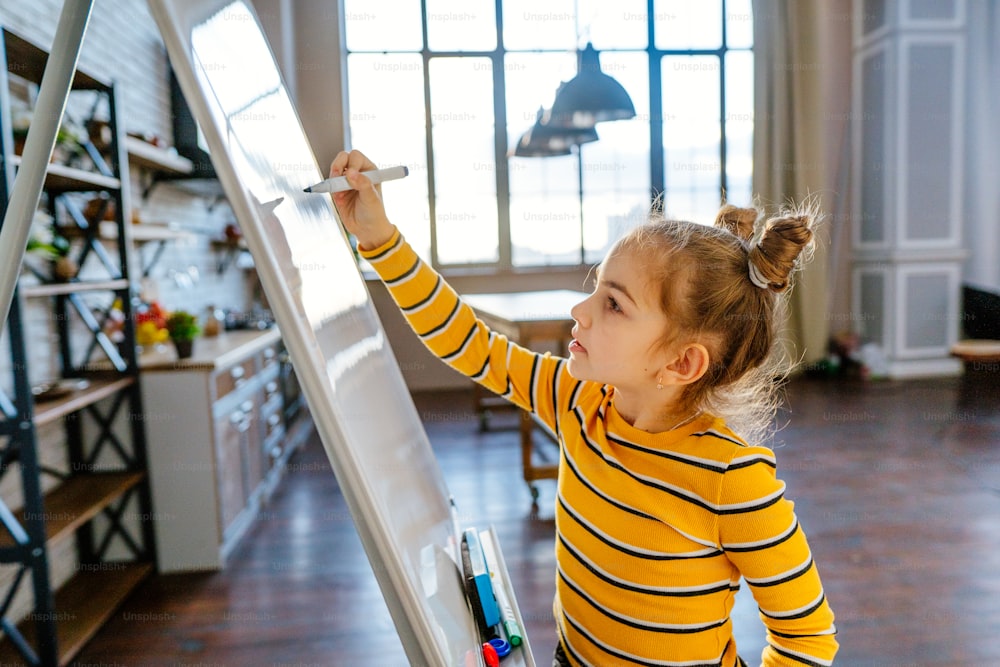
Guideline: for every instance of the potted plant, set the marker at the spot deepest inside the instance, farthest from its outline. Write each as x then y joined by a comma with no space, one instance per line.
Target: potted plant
46,242
182,327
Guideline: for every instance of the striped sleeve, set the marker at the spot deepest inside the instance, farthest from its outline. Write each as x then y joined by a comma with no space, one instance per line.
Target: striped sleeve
761,536
451,330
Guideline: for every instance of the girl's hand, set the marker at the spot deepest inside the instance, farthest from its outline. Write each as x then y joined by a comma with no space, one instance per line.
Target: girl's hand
361,209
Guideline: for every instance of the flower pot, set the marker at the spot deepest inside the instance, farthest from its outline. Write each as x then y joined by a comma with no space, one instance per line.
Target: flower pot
184,348
64,269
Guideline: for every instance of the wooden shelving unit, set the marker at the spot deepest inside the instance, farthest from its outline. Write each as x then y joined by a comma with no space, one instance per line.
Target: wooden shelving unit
102,421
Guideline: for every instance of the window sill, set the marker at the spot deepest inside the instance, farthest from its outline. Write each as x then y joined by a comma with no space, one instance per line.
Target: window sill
481,271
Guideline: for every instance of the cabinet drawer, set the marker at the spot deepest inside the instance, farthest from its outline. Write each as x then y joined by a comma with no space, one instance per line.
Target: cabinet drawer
268,356
270,425
272,390
234,378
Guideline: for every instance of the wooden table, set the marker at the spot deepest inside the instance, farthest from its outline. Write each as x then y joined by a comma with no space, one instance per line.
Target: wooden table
526,318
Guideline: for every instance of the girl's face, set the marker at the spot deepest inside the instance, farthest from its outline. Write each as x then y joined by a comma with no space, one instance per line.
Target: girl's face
618,328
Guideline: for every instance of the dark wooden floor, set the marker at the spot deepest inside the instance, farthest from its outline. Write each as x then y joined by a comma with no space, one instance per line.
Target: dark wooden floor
896,483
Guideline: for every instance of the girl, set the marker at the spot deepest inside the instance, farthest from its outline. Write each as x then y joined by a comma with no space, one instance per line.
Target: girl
661,507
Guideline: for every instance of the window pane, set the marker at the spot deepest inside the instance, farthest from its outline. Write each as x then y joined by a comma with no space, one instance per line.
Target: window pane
616,167
382,25
461,25
386,94
545,229
532,80
545,201
691,114
544,205
683,24
529,24
739,24
739,127
614,25
462,130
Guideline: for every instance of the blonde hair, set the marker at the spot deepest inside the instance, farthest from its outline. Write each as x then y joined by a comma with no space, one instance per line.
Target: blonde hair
723,286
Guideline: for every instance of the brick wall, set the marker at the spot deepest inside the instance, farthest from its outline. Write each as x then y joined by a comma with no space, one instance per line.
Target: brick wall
123,44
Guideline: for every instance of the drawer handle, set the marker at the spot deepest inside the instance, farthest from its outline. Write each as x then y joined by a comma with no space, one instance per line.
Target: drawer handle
274,420
246,406
237,372
271,388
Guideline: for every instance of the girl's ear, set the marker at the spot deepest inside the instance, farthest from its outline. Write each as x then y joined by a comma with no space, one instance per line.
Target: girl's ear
689,365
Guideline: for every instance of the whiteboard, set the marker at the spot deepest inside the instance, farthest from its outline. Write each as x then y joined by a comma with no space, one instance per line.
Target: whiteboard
363,412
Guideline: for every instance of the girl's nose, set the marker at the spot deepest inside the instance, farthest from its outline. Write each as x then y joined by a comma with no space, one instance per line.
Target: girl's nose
579,313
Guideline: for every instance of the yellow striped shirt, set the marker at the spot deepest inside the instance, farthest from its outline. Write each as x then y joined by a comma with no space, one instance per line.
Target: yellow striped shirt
653,531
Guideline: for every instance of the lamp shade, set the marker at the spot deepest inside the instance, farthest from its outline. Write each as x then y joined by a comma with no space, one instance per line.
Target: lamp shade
591,96
545,140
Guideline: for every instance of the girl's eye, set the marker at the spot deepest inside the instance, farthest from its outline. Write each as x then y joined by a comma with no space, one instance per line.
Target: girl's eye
613,305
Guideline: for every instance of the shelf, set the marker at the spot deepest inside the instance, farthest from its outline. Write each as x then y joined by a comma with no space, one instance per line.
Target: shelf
47,412
60,178
82,606
220,245
27,61
232,251
76,501
146,232
57,289
209,188
144,154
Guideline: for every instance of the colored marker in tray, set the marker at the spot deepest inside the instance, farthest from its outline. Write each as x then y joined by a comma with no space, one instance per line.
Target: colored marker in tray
478,587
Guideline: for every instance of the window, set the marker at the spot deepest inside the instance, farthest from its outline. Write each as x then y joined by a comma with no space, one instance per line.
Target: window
448,88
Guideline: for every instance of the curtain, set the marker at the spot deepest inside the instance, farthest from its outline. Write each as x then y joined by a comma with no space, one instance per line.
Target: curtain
982,163
802,102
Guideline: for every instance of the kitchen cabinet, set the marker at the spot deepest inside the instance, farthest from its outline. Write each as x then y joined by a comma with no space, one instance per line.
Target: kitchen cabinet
219,441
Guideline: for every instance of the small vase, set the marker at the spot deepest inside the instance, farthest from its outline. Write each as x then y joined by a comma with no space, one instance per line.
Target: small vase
184,348
64,269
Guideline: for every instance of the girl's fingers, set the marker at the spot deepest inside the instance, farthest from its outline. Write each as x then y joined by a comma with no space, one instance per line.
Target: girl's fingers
339,163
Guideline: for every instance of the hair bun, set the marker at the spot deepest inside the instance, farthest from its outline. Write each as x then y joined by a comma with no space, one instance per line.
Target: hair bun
739,221
777,254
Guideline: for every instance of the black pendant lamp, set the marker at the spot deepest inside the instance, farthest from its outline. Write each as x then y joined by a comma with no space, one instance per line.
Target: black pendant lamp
591,96
546,140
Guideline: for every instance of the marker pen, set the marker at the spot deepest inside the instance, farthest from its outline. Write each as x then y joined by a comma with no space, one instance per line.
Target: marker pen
508,620
340,184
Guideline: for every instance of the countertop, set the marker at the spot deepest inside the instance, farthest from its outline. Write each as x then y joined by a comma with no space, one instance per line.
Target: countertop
210,354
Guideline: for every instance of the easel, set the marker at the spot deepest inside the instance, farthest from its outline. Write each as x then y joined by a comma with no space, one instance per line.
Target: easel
14,231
